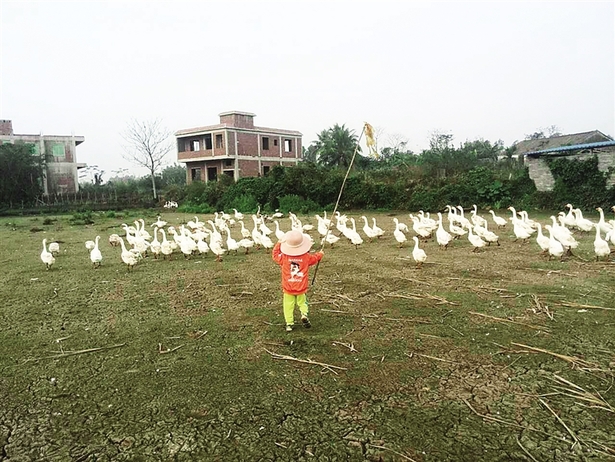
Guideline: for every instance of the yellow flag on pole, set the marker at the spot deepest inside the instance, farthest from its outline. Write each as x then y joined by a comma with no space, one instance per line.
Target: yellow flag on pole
370,141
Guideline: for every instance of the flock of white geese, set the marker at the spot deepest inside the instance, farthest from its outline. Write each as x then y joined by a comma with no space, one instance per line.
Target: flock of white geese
216,235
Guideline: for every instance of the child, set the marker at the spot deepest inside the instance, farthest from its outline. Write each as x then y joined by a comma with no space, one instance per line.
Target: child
292,254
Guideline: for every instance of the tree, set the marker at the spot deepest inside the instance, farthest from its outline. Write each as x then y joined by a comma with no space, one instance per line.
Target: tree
21,173
174,175
336,146
310,154
551,130
148,144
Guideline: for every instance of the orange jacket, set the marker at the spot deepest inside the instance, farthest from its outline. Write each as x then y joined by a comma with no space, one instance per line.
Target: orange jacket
295,269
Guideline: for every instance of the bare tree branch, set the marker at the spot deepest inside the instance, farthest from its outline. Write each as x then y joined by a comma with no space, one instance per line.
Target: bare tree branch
148,143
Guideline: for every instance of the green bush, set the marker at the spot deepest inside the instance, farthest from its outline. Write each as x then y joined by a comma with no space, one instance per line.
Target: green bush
82,218
296,204
196,208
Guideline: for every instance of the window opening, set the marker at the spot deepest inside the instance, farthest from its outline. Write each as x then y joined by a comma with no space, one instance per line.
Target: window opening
265,143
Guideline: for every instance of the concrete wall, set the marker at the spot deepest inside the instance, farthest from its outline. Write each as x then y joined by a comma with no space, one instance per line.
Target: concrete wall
543,178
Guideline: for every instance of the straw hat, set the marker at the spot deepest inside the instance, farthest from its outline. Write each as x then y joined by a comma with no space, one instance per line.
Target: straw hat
295,243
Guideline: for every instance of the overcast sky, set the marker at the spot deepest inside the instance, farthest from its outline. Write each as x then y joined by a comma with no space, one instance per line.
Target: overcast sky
475,70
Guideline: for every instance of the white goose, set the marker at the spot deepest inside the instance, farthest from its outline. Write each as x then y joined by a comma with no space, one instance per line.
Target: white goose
165,246
278,232
418,254
564,236
583,223
202,246
264,229
475,240
556,249
89,245
246,243
379,231
521,232
490,236
419,228
455,230
114,240
604,226
402,226
128,257
369,232
476,218
330,239
238,215
499,221
95,254
216,247
542,240
155,245
46,256
266,241
601,247
54,248
443,237
569,218
399,235
521,228
159,223
245,232
231,244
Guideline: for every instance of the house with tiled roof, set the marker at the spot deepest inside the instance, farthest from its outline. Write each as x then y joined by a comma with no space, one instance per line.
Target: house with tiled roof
536,152
236,147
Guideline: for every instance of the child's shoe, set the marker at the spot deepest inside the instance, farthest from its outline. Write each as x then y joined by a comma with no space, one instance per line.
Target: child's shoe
289,328
306,322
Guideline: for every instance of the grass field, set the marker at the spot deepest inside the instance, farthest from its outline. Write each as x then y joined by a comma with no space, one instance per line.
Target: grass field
498,355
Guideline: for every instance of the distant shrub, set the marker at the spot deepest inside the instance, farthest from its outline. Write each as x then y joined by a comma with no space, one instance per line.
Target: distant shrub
195,208
82,218
296,204
111,214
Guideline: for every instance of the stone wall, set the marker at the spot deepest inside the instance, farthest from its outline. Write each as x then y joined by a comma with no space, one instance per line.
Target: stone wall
543,178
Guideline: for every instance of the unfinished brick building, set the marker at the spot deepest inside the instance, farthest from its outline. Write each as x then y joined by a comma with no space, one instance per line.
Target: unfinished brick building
235,147
60,152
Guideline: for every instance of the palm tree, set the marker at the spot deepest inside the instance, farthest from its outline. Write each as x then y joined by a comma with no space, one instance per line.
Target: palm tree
336,146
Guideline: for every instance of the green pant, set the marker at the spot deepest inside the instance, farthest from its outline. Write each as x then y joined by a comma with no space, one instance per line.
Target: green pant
289,307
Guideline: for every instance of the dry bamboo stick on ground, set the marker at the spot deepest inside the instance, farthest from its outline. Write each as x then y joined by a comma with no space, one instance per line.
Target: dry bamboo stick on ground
433,357
350,346
489,418
405,457
77,352
525,450
579,393
578,305
416,281
571,359
543,328
574,437
306,361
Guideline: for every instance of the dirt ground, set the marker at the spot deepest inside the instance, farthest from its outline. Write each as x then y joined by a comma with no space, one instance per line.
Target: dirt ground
493,355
